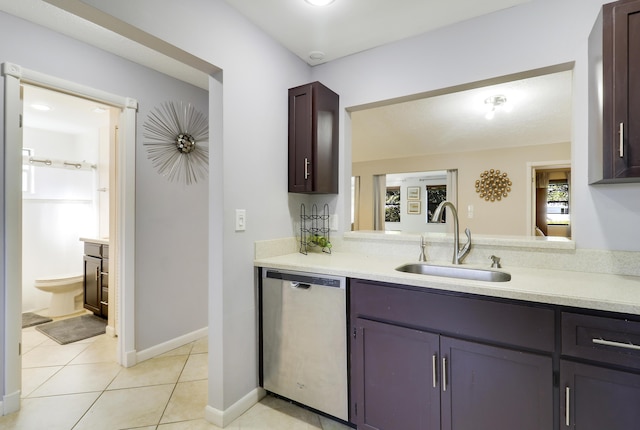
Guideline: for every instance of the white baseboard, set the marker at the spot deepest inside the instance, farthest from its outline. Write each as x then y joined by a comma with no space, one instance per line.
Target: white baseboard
10,403
110,331
224,418
174,343
130,359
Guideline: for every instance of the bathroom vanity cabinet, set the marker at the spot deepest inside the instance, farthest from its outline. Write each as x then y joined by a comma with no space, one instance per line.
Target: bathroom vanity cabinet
614,51
423,361
313,139
96,278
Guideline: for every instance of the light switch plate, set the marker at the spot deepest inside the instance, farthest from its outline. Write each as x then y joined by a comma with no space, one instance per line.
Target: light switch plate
241,219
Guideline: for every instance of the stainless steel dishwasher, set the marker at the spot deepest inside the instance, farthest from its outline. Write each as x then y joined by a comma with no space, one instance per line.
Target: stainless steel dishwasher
304,339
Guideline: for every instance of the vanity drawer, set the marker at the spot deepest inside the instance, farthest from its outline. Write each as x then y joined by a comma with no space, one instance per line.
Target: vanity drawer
93,249
603,339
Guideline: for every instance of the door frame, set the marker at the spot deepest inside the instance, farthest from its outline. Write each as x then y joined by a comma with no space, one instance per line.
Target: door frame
532,168
124,211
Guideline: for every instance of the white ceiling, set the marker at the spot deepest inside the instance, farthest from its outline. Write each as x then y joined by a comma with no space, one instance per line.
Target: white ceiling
349,26
68,114
538,112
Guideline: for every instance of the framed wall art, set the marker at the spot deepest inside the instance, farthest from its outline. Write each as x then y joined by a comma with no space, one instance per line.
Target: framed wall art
413,208
413,193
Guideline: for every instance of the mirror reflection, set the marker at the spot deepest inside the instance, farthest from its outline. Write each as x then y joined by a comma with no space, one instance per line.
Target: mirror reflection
520,125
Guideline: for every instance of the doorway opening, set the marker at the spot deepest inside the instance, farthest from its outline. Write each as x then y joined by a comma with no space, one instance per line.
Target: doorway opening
68,145
551,200
121,219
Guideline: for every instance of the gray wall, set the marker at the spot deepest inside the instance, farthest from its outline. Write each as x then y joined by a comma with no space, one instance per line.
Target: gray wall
171,219
537,34
252,155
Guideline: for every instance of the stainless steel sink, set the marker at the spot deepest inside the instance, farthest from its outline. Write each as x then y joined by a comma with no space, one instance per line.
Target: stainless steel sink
455,272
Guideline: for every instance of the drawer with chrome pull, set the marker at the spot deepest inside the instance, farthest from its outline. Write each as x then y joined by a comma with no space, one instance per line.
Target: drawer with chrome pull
607,340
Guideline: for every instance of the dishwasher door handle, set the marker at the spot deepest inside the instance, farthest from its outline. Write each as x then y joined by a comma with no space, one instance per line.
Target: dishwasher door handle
300,285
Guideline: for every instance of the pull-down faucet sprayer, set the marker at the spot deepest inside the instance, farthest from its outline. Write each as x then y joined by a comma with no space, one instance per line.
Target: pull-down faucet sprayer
458,253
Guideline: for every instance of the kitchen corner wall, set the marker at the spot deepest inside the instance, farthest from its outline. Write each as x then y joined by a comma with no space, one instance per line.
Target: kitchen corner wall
171,219
249,145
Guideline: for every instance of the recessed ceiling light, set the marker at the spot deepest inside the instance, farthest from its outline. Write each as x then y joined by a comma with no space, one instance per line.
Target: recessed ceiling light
39,106
99,109
316,55
319,2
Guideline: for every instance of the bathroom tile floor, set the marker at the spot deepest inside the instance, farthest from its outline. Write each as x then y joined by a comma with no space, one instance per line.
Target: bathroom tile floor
80,386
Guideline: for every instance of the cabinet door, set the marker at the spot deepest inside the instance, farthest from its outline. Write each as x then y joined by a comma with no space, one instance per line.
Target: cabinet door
597,398
622,79
300,138
92,269
394,384
491,388
313,139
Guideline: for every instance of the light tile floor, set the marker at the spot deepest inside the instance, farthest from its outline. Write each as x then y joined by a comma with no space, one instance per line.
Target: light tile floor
79,386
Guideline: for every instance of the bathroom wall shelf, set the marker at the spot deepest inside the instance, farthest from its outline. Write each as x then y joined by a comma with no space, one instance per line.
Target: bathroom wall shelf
314,229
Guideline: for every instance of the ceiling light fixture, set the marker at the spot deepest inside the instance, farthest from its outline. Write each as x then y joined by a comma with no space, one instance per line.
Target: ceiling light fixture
494,102
319,2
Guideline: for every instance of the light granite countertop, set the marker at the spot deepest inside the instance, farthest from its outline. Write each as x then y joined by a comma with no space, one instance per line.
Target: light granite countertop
607,292
95,240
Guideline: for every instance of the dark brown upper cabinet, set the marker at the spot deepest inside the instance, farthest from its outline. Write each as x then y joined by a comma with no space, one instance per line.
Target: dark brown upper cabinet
614,94
313,139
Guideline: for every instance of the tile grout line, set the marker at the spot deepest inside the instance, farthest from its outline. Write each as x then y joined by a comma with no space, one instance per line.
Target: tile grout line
175,385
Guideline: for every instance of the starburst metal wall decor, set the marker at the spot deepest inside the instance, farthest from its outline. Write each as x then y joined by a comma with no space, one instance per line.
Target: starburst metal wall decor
174,136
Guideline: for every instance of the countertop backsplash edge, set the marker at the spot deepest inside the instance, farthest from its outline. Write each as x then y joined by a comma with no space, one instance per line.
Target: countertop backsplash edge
554,258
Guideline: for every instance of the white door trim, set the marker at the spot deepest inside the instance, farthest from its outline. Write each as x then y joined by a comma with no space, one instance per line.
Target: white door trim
124,238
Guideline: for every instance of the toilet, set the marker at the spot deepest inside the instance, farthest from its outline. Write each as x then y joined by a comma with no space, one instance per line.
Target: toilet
64,290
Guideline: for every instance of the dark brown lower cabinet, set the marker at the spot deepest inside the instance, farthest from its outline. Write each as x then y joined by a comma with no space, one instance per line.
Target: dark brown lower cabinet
395,384
92,284
424,360
96,278
490,388
598,398
416,380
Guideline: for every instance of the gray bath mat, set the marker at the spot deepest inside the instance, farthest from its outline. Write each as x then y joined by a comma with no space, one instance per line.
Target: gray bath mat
29,319
74,329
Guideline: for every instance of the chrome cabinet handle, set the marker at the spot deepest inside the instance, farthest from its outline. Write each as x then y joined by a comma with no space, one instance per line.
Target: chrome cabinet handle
444,373
434,367
616,344
97,274
306,168
621,133
567,402
104,303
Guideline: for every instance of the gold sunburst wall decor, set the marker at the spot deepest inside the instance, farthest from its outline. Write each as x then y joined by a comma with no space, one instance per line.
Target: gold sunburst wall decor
493,185
176,134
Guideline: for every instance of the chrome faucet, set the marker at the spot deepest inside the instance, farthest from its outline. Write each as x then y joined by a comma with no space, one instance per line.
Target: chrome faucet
423,256
458,253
